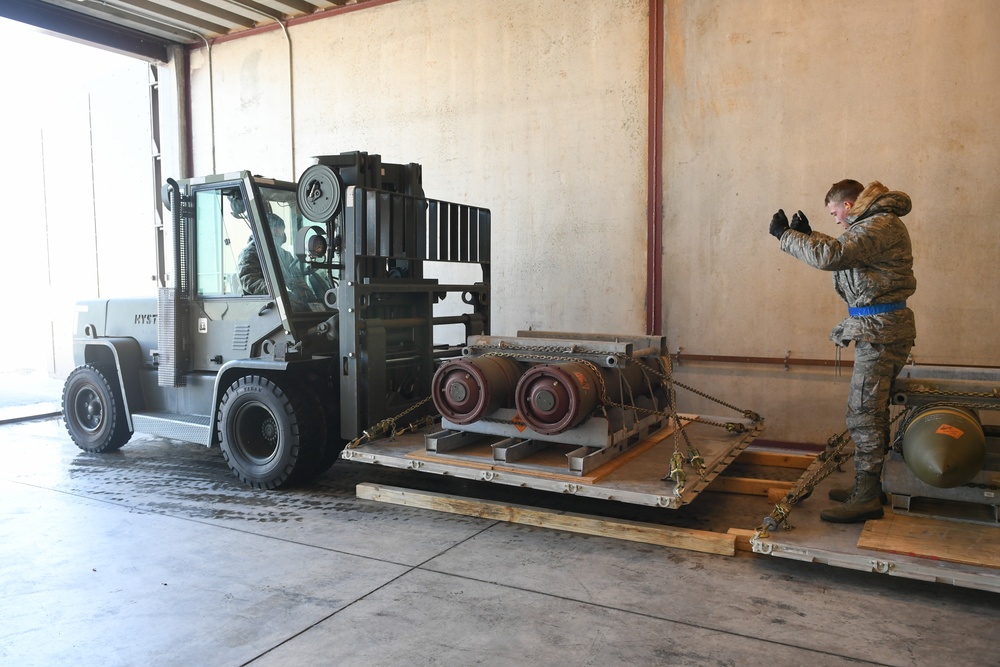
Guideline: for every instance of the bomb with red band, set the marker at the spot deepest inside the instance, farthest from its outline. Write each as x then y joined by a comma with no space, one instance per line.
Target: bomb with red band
466,390
552,398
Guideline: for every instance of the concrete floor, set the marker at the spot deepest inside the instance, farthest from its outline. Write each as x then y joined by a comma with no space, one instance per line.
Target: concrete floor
156,555
27,392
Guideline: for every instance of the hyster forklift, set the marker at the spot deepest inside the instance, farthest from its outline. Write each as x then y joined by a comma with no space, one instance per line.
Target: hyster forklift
280,348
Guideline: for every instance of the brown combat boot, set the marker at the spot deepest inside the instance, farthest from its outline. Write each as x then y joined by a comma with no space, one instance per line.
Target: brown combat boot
841,494
862,505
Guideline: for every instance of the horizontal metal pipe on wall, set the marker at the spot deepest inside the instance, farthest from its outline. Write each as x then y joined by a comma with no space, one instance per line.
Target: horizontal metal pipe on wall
721,358
789,361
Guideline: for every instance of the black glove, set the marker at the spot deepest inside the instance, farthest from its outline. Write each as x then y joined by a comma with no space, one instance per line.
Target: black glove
800,223
779,224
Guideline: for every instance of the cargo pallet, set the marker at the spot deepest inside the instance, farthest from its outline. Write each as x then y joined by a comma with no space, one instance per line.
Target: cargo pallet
927,548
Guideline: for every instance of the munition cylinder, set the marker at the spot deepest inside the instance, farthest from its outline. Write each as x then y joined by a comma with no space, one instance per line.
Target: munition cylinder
466,390
944,445
553,398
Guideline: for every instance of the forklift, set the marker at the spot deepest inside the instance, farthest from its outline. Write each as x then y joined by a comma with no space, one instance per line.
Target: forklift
292,317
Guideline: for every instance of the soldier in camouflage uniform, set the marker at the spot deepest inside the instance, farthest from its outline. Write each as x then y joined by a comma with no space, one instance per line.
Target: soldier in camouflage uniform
251,273
873,272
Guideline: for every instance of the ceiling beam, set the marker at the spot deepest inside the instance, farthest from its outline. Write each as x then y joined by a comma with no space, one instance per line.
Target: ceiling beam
256,7
216,12
125,17
300,6
87,29
141,7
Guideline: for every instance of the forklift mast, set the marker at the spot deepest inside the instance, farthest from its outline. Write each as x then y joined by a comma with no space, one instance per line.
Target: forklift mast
390,239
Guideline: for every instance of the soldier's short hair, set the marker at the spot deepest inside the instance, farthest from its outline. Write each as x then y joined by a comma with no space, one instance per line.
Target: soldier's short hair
845,190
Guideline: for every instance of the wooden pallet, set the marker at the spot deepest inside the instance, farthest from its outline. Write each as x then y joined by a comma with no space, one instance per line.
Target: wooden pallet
725,544
955,542
775,490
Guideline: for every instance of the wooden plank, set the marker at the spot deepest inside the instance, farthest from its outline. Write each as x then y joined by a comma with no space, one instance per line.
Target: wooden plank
774,459
952,541
776,495
742,538
749,486
633,531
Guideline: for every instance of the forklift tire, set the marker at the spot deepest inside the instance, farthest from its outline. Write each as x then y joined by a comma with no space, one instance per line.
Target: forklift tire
264,433
328,406
94,410
319,429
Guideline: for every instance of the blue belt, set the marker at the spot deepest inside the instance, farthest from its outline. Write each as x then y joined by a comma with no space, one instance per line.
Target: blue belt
876,309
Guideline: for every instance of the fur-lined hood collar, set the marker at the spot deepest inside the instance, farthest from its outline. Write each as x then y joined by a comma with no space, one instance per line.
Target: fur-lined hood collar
875,199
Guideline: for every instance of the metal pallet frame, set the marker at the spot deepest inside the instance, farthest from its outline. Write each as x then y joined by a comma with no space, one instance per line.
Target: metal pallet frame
639,481
814,541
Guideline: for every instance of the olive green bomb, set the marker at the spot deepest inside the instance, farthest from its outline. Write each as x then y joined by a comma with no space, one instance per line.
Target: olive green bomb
944,446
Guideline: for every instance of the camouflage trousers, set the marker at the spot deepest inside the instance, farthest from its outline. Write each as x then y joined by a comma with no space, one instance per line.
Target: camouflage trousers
875,368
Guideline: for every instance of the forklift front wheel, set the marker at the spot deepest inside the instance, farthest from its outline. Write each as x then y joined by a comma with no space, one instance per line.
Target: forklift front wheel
260,427
94,410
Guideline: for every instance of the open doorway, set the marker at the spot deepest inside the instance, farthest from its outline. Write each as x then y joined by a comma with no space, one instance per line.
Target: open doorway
77,184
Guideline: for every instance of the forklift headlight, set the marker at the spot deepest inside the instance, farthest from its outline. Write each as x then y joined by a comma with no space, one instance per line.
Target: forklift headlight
310,243
316,246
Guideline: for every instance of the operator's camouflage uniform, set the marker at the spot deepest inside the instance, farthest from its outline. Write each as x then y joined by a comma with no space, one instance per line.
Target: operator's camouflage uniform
249,270
873,264
251,274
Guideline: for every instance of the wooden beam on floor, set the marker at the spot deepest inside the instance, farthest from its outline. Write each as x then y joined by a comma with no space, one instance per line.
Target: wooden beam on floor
750,486
776,495
620,529
774,459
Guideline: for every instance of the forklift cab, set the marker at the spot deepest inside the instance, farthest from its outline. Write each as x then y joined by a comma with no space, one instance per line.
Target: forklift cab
229,259
251,293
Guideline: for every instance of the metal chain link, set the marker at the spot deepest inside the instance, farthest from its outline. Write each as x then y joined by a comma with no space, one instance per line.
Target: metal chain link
995,393
668,377
676,471
388,425
833,456
602,393
567,352
985,487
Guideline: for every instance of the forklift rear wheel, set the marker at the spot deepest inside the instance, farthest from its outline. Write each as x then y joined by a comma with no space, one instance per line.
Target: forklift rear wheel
263,432
94,410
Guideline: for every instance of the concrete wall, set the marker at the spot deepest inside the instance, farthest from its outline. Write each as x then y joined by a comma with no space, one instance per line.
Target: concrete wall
767,104
538,110
534,110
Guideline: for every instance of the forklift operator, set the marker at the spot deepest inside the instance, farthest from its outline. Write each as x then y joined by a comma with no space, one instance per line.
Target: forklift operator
248,264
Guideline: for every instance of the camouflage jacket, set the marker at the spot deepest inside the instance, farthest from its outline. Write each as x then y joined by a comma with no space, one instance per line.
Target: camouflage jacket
251,273
249,270
872,263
